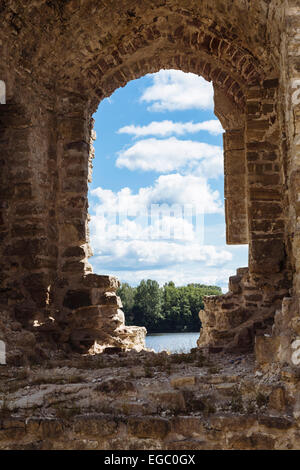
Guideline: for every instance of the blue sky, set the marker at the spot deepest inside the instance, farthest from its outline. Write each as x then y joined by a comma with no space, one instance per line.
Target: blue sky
156,199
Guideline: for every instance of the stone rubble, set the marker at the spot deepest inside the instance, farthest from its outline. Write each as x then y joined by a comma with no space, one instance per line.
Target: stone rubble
149,401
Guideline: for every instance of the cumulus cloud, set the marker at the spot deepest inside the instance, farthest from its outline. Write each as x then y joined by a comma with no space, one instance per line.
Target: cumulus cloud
169,189
146,226
180,274
175,90
129,243
144,254
172,154
166,128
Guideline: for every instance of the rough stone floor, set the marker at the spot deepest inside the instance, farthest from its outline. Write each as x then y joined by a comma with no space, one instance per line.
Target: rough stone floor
130,400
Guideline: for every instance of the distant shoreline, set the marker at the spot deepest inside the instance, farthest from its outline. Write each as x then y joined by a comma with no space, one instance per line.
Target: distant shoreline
171,332
166,309
153,333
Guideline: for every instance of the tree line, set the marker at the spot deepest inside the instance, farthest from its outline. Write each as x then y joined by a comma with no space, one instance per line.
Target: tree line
164,309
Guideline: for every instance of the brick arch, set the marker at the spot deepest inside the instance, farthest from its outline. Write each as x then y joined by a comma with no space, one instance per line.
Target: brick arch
202,46
115,79
205,52
229,35
70,38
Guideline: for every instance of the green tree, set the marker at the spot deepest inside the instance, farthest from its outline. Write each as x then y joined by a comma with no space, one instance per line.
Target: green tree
127,294
170,307
166,309
147,305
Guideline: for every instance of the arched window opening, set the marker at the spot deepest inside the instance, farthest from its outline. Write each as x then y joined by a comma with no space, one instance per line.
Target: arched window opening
157,203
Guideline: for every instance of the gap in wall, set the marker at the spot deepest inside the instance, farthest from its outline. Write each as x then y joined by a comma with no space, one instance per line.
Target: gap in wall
157,195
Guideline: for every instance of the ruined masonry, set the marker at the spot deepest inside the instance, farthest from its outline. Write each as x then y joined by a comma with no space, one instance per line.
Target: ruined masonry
58,60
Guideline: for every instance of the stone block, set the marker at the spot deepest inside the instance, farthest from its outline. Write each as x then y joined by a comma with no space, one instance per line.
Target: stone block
257,441
102,282
266,349
77,298
110,299
276,422
169,400
187,425
267,256
183,382
95,425
148,427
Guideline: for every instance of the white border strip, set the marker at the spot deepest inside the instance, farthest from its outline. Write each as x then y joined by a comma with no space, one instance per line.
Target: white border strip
2,92
2,353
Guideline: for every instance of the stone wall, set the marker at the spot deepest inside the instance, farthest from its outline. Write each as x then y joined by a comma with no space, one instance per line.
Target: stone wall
255,196
98,432
280,346
147,401
232,321
68,58
236,210
58,60
44,236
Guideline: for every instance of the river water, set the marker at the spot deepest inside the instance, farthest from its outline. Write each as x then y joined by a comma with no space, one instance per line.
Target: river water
172,342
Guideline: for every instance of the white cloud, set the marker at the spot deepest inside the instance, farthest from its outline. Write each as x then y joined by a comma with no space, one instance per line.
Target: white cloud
126,246
181,274
142,227
169,189
131,245
143,254
175,90
172,154
166,128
